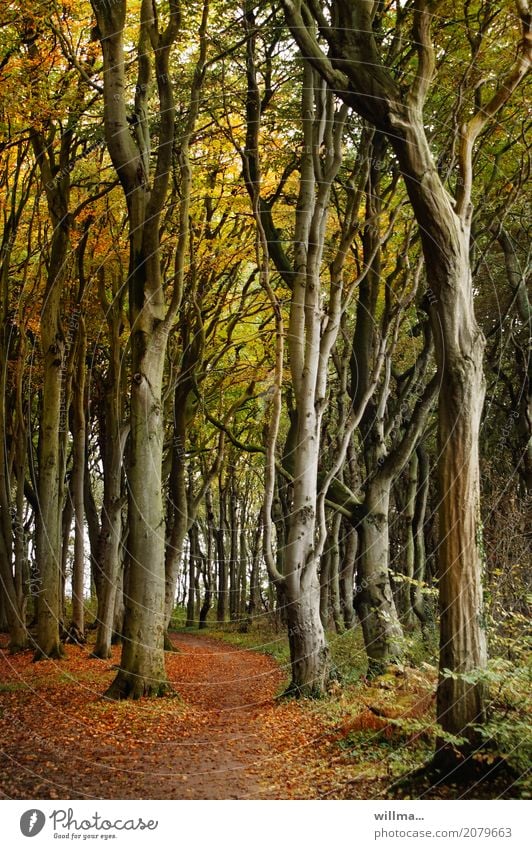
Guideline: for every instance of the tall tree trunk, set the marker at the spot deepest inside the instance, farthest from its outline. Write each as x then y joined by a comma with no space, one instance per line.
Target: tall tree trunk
347,577
234,562
335,574
207,585
142,666
55,175
77,625
444,227
66,528
405,493
193,567
417,598
53,418
254,579
13,611
221,606
325,578
142,670
114,438
375,606
179,518
309,653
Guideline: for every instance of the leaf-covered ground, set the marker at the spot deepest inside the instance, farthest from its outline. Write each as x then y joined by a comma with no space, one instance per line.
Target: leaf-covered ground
225,736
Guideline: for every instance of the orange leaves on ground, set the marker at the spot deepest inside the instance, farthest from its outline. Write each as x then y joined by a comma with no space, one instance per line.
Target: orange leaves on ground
225,735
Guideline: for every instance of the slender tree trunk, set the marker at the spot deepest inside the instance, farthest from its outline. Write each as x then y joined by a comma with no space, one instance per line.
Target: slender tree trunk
12,610
243,568
207,579
462,636
77,626
375,606
325,577
234,564
335,574
417,598
193,565
66,529
53,418
405,498
4,623
254,579
121,586
179,501
220,556
110,536
93,527
347,577
142,670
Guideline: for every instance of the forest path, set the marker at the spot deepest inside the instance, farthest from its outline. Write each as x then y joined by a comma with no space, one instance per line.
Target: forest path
224,737
232,692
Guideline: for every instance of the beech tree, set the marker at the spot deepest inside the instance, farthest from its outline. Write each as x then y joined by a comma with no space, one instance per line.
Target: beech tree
151,319
355,68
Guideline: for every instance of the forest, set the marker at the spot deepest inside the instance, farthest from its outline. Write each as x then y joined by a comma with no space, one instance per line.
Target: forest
265,399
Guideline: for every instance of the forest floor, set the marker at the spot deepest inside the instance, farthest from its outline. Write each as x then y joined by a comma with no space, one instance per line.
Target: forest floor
225,735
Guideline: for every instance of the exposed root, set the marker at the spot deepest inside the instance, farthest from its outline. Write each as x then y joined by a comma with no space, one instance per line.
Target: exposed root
55,652
128,686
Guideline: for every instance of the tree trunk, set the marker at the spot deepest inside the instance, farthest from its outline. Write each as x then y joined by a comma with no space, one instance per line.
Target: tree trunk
242,569
142,670
405,498
54,412
254,579
460,567
220,557
66,528
234,560
444,227
309,653
12,609
325,572
375,606
110,536
53,418
193,567
335,574
77,625
347,577
178,500
417,598
142,665
207,578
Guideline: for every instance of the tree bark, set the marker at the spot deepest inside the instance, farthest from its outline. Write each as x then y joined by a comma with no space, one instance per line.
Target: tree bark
142,669
383,636
221,606
444,226
53,418
347,577
309,653
77,625
114,436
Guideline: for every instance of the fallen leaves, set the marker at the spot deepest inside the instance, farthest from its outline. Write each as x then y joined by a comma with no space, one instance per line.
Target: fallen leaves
225,737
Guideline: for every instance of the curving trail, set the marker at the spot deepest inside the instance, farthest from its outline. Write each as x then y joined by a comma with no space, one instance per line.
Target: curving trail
224,737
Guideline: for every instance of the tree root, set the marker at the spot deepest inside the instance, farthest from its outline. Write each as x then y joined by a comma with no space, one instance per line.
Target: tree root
129,686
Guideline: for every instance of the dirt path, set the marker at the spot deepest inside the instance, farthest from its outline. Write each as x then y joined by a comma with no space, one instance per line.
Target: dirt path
231,692
224,738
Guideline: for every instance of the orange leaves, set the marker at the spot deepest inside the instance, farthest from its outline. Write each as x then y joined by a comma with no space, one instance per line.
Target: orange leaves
224,736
